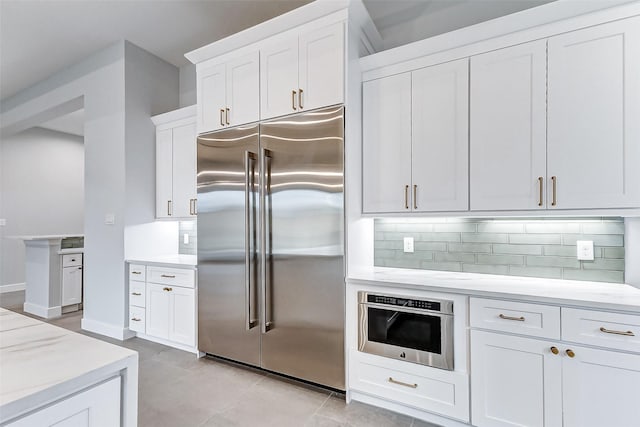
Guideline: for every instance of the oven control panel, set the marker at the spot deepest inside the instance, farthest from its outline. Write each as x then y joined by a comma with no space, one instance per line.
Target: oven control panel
404,302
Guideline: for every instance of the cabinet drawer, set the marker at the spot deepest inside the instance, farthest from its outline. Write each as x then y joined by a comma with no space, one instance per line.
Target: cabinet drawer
72,260
171,276
609,330
516,317
137,272
137,294
431,389
137,319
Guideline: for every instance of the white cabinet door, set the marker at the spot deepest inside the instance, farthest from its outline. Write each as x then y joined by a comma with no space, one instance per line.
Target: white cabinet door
601,388
184,170
96,407
211,97
515,382
322,67
386,144
279,78
440,126
164,173
182,316
157,310
594,116
71,285
508,128
243,90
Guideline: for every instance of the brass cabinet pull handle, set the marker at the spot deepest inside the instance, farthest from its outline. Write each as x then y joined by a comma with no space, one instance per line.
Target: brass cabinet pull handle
227,115
609,331
190,206
293,99
519,319
406,197
570,353
135,319
540,184
391,380
136,293
169,207
300,99
136,272
221,117
195,206
554,350
167,289
168,276
554,182
415,196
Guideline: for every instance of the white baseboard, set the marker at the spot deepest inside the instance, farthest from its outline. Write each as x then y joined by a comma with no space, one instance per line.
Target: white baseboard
106,329
42,311
12,287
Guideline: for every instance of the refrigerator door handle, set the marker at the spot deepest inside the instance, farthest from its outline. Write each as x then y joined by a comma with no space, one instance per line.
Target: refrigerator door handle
249,158
265,168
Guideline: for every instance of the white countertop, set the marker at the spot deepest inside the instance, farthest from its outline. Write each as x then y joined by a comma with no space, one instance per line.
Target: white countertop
40,362
613,296
174,260
46,237
71,251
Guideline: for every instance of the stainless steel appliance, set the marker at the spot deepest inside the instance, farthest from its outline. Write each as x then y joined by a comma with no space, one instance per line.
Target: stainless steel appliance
270,245
412,329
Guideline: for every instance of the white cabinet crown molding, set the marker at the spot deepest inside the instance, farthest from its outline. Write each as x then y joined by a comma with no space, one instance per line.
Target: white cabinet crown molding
168,119
532,24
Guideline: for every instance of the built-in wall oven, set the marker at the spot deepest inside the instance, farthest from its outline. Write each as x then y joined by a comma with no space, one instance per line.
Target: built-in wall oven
412,329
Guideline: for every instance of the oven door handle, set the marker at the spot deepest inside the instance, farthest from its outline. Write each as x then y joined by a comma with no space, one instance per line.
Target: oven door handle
406,309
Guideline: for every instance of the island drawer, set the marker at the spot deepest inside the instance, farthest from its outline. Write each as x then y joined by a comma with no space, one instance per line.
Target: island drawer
599,328
137,294
72,260
137,272
171,276
137,320
536,320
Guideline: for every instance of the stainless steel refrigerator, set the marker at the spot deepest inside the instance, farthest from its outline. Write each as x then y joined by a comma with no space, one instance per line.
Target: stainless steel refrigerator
271,245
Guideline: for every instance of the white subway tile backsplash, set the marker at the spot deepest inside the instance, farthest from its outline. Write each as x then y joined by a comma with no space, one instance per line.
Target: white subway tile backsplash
534,247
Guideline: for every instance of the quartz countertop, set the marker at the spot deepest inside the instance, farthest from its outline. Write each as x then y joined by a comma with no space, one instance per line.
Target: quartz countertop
612,296
178,261
40,362
71,251
46,237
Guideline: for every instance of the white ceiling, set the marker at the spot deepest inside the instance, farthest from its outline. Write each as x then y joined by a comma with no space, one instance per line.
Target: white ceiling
40,37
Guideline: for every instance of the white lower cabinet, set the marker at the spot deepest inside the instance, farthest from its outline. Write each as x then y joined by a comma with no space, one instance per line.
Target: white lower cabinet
98,406
163,308
515,381
528,381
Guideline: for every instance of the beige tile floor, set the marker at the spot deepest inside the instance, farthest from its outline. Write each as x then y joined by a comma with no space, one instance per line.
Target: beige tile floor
178,390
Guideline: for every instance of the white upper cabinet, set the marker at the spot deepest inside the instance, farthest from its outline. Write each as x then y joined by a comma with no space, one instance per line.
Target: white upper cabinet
303,72
228,93
440,137
321,67
508,128
594,116
386,139
176,164
415,140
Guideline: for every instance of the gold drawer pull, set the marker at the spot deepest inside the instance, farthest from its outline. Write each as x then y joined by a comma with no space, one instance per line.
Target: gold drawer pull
609,331
168,276
167,289
570,353
136,272
136,293
135,319
391,380
519,319
555,350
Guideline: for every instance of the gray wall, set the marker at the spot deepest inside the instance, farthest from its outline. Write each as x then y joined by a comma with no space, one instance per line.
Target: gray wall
527,247
187,85
42,186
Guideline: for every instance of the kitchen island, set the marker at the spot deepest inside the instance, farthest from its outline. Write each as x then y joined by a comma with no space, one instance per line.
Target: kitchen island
49,374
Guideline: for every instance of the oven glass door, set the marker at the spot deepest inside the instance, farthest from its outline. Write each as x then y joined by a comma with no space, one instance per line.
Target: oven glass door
420,332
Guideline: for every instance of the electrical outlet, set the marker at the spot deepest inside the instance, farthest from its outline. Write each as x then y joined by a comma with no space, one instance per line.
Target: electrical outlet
109,219
185,239
3,222
408,244
585,250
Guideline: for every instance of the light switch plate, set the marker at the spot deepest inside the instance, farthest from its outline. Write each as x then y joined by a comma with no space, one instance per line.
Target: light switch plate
109,219
185,239
585,250
3,222
408,244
